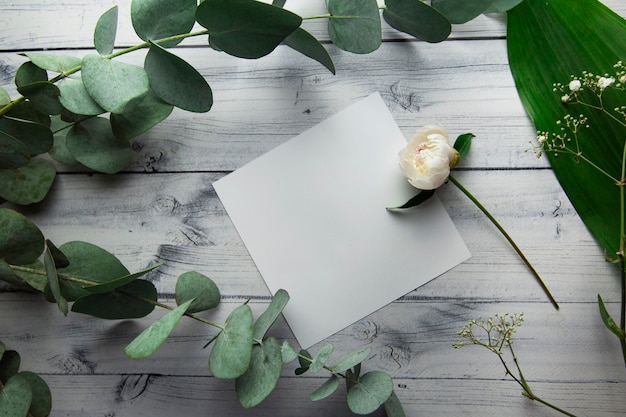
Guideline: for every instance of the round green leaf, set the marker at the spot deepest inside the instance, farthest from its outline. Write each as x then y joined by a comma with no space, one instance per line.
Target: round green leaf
13,153
21,242
258,382
498,6
176,82
9,365
244,28
320,358
269,316
230,356
393,406
91,263
15,397
105,31
288,352
29,73
417,19
8,275
151,111
355,25
94,145
5,98
35,136
158,19
124,303
461,11
27,111
116,86
54,63
305,43
44,95
34,279
59,151
41,404
155,335
28,184
75,98
369,392
327,388
193,285
350,360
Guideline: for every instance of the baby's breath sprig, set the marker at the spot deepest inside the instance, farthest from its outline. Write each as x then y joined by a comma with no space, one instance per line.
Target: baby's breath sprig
496,335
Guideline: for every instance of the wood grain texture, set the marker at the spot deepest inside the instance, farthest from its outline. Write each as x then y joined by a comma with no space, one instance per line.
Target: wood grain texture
163,208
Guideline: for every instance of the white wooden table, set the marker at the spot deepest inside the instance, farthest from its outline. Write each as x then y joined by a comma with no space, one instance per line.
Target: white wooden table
163,208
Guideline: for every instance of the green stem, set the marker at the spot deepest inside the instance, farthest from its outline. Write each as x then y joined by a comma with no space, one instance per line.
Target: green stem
508,238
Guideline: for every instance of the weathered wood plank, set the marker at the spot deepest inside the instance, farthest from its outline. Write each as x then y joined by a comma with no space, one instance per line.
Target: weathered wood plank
162,395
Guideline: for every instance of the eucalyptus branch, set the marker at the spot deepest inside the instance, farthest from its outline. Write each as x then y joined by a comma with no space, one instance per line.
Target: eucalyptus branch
507,237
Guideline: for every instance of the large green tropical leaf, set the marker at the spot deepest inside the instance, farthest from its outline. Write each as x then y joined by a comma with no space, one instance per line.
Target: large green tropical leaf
548,42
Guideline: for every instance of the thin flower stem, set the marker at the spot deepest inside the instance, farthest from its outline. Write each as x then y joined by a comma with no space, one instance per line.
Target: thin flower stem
508,238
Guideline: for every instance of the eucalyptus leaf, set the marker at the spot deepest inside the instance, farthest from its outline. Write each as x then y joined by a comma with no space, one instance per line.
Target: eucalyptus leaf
44,95
13,153
176,82
419,198
116,86
9,365
326,389
54,63
75,98
244,28
21,242
35,136
94,145
60,260
145,115
279,3
28,184
15,397
127,302
2,349
105,32
269,316
463,144
461,11
289,354
5,98
498,6
8,275
59,151
27,111
369,392
417,19
354,25
41,405
157,19
154,336
320,358
33,279
302,41
393,406
573,36
350,360
200,288
119,282
53,281
29,73
231,353
304,359
91,263
258,382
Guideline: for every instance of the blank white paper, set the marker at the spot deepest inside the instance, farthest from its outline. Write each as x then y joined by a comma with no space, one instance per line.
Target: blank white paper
312,213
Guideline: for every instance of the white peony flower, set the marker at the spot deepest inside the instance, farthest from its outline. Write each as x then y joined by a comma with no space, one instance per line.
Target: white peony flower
427,158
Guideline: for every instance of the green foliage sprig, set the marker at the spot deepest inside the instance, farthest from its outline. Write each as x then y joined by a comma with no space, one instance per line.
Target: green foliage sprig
96,283
65,100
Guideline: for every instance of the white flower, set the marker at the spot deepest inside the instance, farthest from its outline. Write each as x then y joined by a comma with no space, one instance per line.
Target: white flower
604,82
427,158
574,85
566,98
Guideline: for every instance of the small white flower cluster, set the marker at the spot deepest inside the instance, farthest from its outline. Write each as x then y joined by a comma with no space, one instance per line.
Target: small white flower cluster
498,332
569,127
594,83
